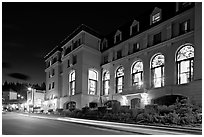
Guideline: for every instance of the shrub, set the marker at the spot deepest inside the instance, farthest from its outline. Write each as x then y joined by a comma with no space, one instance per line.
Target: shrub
124,109
66,113
162,110
115,107
91,114
102,110
59,111
85,109
134,112
151,109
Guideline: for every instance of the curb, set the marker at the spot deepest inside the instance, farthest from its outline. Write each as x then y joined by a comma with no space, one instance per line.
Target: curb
143,129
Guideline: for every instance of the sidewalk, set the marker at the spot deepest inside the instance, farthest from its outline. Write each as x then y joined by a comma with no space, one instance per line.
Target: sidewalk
133,128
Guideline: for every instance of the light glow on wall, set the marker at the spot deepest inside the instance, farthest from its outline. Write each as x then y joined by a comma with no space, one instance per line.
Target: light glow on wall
145,98
124,100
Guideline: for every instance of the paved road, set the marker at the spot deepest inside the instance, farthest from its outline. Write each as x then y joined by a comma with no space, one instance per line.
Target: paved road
15,124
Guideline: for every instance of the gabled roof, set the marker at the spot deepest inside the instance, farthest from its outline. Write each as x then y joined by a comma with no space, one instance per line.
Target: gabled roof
70,36
168,11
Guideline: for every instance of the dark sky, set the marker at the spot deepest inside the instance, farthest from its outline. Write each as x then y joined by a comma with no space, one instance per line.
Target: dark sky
30,30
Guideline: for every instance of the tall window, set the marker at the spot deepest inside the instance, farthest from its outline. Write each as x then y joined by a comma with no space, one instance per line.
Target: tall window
184,61
74,59
136,47
137,74
157,38
106,83
157,70
72,83
119,79
93,78
119,54
185,27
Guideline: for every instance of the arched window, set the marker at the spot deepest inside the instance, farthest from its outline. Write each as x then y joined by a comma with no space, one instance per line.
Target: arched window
93,78
119,79
137,74
184,61
157,70
72,82
106,83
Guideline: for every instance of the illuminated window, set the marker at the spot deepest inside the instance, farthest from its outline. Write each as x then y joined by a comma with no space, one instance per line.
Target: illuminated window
72,83
184,61
106,82
137,74
156,17
93,78
119,79
157,70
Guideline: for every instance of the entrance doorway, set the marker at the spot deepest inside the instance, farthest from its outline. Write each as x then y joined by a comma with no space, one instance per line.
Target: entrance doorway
135,103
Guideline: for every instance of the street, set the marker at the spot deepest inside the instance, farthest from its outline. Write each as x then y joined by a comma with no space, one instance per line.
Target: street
16,124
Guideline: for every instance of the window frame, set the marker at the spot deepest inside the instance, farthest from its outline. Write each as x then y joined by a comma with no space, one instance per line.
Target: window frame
162,72
92,80
137,72
72,83
190,61
106,81
117,80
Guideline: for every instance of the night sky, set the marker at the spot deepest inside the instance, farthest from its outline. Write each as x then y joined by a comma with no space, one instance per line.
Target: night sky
30,30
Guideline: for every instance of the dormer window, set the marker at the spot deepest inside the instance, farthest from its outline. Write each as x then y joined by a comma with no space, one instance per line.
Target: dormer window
155,16
104,44
118,37
134,28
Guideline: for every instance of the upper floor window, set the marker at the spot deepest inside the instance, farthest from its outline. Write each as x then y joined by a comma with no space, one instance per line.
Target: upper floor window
72,83
93,78
184,5
104,44
105,59
68,63
49,86
184,26
136,47
118,37
54,60
157,38
74,59
106,83
53,85
53,73
119,79
76,44
185,62
156,15
157,70
134,28
119,54
137,74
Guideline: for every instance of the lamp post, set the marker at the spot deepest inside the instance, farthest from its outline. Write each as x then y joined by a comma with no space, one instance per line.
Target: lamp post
32,91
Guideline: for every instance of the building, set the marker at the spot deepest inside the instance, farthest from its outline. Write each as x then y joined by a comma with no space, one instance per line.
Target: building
9,97
155,58
35,99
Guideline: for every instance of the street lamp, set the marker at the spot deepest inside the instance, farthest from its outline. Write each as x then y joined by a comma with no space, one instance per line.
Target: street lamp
32,91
